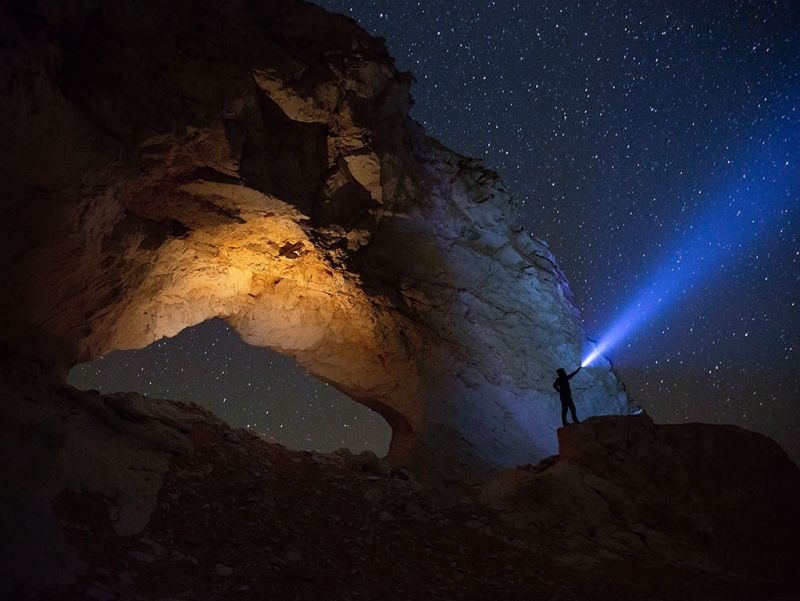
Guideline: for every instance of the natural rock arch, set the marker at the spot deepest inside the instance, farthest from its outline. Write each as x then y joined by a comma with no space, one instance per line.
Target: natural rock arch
171,164
209,367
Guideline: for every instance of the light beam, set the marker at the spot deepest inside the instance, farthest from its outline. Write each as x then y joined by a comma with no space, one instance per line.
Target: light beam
757,193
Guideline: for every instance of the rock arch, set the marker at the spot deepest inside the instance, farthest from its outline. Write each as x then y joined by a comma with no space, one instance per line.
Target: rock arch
208,367
257,163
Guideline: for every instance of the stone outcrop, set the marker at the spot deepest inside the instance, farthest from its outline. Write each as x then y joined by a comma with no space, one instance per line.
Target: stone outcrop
700,495
124,497
109,454
165,163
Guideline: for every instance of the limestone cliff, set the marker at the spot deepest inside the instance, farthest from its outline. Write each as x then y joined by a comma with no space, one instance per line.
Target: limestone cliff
165,163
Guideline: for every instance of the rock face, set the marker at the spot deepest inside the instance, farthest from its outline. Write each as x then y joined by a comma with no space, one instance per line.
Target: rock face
124,497
109,455
165,163
696,494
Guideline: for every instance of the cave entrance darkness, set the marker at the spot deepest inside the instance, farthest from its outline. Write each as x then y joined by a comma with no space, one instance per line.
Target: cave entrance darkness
247,386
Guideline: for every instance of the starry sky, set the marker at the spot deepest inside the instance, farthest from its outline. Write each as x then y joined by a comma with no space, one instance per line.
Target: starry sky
622,127
248,387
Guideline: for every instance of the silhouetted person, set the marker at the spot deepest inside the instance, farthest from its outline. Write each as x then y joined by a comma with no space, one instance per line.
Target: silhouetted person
562,385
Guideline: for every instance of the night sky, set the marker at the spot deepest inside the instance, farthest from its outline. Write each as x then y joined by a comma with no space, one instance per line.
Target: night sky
631,131
249,387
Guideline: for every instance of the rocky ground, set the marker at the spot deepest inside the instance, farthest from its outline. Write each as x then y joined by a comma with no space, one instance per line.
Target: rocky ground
240,517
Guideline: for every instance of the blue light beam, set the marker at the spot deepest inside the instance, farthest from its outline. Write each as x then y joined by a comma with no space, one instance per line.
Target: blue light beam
748,203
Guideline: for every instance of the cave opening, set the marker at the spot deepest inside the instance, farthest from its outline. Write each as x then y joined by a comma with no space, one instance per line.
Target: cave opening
247,386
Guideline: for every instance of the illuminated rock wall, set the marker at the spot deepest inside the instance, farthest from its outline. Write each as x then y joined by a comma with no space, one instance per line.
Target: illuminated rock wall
165,164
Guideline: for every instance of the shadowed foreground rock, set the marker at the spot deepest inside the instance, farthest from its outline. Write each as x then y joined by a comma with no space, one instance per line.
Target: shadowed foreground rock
718,497
125,497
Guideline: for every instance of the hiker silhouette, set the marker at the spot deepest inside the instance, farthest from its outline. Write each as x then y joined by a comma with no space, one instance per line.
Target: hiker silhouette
562,386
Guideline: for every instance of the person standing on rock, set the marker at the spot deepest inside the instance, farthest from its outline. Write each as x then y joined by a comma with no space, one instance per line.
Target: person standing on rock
562,386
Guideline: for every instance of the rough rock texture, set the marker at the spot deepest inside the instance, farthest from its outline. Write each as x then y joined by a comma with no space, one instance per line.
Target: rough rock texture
720,497
168,502
58,441
165,163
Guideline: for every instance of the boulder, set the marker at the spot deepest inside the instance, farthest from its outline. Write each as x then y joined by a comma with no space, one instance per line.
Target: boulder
714,497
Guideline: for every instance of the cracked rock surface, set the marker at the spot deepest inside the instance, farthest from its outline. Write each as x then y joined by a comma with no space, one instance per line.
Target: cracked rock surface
166,163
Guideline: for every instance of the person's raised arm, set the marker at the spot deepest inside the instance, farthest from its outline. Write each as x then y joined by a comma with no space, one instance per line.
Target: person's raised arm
569,377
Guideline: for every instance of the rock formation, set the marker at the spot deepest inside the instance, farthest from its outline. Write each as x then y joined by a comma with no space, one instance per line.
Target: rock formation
129,498
696,494
165,163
